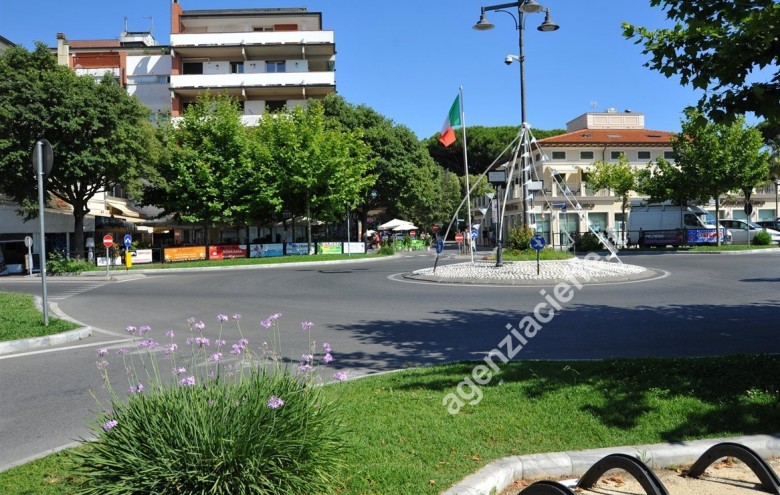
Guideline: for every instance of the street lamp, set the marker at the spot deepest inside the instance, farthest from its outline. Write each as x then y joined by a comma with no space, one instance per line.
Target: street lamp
523,7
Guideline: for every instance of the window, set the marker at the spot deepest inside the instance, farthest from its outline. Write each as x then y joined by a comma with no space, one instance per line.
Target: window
615,155
669,155
274,66
586,155
643,155
558,155
275,105
236,67
192,68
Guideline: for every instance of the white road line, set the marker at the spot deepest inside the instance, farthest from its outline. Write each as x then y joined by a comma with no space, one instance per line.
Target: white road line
68,348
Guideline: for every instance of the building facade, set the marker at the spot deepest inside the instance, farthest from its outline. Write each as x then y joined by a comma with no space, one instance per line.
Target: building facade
561,164
268,58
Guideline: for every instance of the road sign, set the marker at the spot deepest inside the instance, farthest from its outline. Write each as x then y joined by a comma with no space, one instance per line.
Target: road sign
108,241
439,246
128,240
748,209
435,228
47,157
28,241
538,242
473,233
458,237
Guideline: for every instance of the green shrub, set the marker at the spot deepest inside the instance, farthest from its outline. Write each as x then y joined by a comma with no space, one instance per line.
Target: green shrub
58,264
519,238
386,249
762,238
240,427
588,242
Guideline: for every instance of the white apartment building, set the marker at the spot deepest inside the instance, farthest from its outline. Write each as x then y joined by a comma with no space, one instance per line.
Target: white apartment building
562,164
268,58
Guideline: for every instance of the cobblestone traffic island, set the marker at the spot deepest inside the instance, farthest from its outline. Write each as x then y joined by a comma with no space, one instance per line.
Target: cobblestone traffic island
524,272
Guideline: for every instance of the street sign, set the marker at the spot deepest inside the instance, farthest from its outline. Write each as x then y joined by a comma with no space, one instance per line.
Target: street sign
497,177
748,209
28,241
439,246
473,233
47,155
128,240
108,241
435,228
459,237
538,242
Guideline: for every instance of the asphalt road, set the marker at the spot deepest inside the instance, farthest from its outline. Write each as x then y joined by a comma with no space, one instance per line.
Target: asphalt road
702,305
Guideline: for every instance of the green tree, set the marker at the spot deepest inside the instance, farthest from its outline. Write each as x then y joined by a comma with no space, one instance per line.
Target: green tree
408,181
212,172
711,159
321,169
99,134
721,47
619,177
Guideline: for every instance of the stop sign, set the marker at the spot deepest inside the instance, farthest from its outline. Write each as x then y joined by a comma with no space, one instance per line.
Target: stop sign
108,241
459,237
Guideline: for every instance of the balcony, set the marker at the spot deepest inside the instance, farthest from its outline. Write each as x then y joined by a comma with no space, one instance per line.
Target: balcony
260,84
254,45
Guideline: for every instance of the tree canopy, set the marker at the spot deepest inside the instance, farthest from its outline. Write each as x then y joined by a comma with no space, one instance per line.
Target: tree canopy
620,177
729,49
99,134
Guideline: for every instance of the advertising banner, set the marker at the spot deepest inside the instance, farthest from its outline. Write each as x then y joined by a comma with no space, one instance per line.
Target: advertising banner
142,256
704,236
662,238
354,248
101,261
329,247
298,248
227,252
266,250
185,253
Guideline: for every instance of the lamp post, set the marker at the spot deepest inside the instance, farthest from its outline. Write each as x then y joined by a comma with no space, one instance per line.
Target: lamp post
523,7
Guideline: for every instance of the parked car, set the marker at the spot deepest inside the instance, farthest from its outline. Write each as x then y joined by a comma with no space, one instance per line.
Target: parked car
740,229
770,224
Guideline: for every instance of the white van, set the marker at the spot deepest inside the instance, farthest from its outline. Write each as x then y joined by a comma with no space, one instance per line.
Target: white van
664,224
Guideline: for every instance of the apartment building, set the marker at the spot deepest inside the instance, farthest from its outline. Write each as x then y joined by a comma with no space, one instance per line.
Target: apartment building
561,165
268,58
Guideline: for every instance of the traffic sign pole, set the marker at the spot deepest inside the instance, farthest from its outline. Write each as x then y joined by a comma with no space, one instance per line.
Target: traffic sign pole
108,241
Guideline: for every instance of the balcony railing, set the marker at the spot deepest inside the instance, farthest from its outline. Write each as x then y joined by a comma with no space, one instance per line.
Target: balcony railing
253,80
253,38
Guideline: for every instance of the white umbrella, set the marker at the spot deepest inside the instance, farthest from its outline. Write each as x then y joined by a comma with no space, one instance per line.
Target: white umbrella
393,224
407,226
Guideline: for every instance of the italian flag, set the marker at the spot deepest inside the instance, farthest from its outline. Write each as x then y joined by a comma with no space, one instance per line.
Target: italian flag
447,136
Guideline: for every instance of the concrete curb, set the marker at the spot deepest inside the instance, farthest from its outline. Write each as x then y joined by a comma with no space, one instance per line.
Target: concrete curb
500,474
12,346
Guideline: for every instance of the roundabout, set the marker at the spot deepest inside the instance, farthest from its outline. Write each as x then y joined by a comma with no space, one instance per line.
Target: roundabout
524,273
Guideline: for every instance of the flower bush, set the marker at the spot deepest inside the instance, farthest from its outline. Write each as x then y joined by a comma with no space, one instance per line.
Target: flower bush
221,418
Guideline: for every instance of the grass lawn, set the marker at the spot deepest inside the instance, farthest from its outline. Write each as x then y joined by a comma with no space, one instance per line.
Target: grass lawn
20,319
404,441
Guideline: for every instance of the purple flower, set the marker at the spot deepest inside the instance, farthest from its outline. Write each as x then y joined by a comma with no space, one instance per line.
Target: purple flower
169,334
222,318
266,323
219,342
216,357
202,341
148,344
236,317
102,352
326,347
306,325
122,351
275,402
110,424
327,358
143,329
169,349
200,325
187,381
131,329
137,389
102,364
304,368
236,349
340,376
179,371
307,358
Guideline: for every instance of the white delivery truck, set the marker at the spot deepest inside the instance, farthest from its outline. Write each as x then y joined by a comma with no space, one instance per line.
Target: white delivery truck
664,224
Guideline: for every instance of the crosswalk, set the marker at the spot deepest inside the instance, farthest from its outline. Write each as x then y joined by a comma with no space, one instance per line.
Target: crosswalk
62,292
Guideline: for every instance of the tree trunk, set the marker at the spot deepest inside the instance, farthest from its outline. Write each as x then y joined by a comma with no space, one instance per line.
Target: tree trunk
206,237
717,221
623,211
78,231
308,224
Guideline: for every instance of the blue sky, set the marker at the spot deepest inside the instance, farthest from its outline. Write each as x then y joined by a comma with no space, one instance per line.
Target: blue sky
407,59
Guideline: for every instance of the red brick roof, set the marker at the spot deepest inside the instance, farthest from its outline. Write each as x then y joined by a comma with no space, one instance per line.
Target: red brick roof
611,137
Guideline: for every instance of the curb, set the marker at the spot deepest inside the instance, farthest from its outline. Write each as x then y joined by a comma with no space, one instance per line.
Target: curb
12,346
500,474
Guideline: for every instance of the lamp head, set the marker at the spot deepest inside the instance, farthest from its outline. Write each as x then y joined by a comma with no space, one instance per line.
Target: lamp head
483,24
530,7
548,24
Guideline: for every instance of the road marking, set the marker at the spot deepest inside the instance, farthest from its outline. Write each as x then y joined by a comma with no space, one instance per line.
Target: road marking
68,348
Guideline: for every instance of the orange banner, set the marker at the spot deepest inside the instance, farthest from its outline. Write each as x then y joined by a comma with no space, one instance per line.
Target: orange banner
185,253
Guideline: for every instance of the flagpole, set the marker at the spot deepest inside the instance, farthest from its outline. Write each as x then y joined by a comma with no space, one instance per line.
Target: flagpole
466,165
